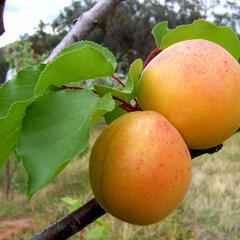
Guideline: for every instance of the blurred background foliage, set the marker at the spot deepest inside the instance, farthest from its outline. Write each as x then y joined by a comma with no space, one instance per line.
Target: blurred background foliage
126,31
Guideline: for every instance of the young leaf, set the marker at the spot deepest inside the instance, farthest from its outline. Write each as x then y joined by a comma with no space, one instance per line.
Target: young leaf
107,54
55,129
200,29
74,204
15,96
102,223
68,200
129,91
159,31
73,66
97,233
114,114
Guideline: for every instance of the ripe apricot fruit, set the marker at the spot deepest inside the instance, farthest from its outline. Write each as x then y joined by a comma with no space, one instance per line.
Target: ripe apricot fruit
195,84
140,168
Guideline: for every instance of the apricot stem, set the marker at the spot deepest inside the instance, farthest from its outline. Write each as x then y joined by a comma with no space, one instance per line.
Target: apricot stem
156,50
78,88
125,105
118,80
130,105
125,108
66,87
138,108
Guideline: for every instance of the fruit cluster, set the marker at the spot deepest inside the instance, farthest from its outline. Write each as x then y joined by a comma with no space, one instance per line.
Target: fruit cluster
140,166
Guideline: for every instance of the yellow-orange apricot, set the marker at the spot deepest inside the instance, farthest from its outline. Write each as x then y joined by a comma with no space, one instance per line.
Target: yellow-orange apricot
195,84
140,168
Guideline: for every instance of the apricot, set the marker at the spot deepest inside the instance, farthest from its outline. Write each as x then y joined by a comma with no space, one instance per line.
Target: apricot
195,84
140,168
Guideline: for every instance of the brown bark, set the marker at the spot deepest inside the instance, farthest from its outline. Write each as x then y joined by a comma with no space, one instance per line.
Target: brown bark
84,25
72,223
2,4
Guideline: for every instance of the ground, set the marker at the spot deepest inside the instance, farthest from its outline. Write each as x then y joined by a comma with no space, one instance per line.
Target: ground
12,228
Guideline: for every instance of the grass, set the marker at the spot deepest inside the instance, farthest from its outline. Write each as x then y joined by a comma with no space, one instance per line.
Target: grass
211,209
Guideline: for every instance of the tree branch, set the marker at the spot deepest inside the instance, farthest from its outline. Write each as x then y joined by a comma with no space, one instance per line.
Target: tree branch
195,153
84,25
2,4
72,223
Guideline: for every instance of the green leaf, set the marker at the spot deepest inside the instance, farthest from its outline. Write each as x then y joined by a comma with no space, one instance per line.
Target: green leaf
126,93
99,111
200,29
159,31
68,200
15,96
9,130
97,233
73,66
129,91
20,88
72,202
107,54
116,113
55,129
102,223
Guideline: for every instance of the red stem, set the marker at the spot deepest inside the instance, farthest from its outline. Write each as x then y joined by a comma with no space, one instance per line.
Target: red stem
125,105
137,104
117,79
66,87
125,108
151,55
79,88
81,234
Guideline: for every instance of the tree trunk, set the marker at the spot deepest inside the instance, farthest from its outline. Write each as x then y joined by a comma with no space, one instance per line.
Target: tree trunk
2,4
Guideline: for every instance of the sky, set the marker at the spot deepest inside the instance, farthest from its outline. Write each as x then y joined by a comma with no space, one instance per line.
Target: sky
22,16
